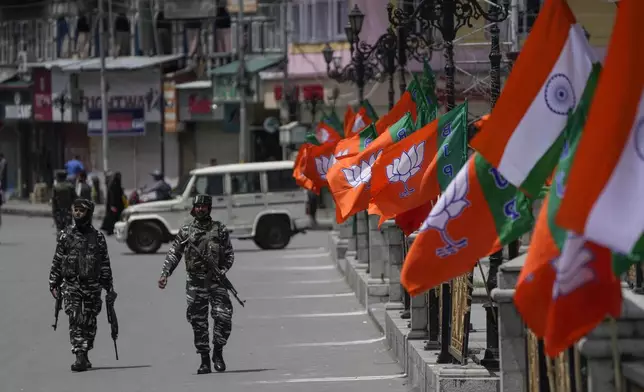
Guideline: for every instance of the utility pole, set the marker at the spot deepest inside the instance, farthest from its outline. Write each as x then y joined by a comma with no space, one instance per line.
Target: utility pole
110,18
242,84
286,94
104,103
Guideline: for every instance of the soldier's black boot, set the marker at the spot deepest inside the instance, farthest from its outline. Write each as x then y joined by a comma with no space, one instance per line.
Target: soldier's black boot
80,365
218,359
205,364
89,364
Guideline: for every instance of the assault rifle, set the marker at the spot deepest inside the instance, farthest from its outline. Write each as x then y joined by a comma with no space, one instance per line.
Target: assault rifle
57,307
216,271
110,297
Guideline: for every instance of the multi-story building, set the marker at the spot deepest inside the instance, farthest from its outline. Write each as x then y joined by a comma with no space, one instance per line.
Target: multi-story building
50,90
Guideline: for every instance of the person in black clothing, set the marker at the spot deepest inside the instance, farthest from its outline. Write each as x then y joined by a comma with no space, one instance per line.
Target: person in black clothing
113,204
83,190
61,201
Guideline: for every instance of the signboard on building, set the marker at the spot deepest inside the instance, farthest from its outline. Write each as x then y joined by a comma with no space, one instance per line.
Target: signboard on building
201,9
20,109
132,96
121,122
170,110
196,105
42,104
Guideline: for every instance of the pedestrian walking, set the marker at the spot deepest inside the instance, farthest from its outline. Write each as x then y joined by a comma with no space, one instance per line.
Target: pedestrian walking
79,271
114,204
63,196
83,190
212,238
3,172
312,207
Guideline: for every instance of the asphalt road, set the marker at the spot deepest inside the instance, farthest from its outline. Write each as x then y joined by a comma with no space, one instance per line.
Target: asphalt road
301,328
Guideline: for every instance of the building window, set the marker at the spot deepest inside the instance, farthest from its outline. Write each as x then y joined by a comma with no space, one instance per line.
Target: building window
528,16
244,183
318,21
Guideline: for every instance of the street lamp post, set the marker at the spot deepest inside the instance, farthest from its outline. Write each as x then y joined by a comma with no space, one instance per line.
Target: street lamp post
448,16
363,68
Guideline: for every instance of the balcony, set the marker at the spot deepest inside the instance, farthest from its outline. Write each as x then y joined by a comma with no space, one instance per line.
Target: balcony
74,33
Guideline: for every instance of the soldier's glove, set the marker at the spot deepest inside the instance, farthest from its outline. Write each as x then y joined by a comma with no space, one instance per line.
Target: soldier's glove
110,297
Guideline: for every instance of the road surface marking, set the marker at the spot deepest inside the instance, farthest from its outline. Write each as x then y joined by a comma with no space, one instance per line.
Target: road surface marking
330,379
311,315
308,296
332,344
306,255
291,268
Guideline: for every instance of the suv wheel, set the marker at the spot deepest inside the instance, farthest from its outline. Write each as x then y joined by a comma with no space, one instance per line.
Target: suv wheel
145,237
273,232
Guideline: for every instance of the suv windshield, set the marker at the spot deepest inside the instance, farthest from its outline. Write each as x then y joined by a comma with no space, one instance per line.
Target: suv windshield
181,186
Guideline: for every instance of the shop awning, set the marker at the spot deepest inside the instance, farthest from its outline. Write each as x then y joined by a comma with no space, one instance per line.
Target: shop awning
125,63
254,64
196,85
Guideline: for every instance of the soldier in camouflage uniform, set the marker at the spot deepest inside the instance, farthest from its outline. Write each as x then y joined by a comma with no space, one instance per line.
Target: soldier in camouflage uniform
62,198
213,238
80,269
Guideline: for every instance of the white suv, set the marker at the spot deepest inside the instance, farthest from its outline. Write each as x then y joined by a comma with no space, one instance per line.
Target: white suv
258,201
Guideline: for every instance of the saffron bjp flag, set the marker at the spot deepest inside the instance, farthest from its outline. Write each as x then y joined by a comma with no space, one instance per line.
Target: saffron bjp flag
299,168
418,168
329,129
479,212
546,83
604,198
365,115
410,102
349,116
567,286
350,177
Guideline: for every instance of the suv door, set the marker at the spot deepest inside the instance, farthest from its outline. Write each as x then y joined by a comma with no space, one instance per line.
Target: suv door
247,200
283,193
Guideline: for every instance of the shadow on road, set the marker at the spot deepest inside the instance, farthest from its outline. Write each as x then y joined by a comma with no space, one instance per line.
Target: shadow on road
241,371
119,367
5,243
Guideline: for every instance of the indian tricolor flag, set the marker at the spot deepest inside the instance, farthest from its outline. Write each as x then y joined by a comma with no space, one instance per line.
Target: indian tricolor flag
350,177
546,83
477,214
604,199
416,169
567,285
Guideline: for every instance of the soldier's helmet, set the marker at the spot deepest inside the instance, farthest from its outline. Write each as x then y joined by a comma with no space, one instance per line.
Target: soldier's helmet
82,211
201,201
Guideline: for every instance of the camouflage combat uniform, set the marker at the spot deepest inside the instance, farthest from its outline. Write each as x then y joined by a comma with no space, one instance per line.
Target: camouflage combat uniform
214,235
63,196
81,268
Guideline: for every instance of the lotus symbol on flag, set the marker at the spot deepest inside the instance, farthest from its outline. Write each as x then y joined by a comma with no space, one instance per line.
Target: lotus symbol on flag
324,163
572,266
403,168
361,174
449,206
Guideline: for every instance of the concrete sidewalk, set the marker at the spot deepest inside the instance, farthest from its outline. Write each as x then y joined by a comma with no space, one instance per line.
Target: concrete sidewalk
25,208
